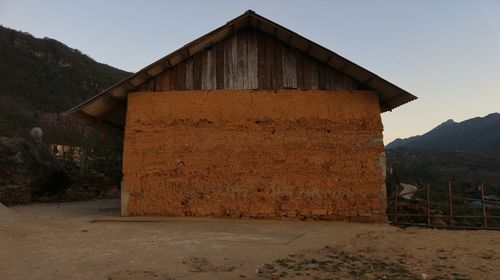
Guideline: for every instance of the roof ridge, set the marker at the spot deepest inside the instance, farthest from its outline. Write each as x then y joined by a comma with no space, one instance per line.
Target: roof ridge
390,95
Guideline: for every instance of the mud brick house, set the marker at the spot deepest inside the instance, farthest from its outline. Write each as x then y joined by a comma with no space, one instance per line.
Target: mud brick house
253,120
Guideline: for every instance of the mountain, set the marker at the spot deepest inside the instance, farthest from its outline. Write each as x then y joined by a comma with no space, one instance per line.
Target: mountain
44,76
466,153
476,135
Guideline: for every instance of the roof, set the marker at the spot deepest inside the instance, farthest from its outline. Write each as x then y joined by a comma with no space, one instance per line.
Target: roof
108,108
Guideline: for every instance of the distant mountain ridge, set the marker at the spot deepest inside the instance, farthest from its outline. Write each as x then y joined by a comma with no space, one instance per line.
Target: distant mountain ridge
476,135
39,76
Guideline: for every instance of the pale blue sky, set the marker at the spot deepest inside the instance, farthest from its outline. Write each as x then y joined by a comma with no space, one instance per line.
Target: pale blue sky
445,52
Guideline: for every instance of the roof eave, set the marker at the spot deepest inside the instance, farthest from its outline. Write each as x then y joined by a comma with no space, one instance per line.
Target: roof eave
390,95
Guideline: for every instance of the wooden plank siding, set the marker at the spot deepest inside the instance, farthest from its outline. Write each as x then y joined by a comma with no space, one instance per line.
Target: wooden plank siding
250,59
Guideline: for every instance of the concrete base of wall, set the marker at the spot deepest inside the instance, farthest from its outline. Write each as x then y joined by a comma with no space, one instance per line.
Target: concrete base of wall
124,201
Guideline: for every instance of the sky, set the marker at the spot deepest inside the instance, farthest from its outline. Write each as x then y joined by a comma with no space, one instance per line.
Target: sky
445,52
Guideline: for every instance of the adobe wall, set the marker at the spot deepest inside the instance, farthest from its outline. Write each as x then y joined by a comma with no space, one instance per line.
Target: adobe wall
239,153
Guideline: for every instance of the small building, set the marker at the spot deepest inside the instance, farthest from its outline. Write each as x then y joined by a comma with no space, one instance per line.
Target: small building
250,120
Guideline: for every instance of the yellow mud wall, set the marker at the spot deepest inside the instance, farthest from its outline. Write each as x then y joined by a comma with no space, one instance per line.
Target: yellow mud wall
239,153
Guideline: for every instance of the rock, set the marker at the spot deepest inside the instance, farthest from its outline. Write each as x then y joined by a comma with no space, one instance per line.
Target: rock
28,171
75,194
88,188
15,194
113,192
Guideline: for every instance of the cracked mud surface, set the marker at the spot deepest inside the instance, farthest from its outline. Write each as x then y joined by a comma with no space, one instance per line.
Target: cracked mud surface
240,153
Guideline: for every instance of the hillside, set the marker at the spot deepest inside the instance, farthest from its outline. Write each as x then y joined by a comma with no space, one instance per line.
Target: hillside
39,76
476,135
465,170
467,153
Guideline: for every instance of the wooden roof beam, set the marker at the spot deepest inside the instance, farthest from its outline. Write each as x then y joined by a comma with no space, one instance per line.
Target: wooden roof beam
368,81
308,49
98,120
393,98
114,98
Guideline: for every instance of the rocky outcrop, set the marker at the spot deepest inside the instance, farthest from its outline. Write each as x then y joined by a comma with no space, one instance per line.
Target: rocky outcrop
28,171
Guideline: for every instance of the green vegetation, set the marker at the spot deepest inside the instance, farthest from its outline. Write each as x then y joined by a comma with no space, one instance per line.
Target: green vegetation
39,76
40,79
465,170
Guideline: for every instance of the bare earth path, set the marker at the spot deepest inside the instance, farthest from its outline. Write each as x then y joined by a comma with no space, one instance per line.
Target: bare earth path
57,241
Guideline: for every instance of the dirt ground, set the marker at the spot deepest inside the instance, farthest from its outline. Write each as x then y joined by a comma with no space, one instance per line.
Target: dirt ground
59,241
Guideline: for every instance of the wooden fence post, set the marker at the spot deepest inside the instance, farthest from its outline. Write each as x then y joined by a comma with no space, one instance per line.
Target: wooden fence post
396,204
485,220
450,203
428,206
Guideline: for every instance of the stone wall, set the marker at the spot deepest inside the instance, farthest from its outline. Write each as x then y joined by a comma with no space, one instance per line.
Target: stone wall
240,153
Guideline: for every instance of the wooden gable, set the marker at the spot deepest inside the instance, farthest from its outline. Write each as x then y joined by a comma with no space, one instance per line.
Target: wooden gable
248,52
250,59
